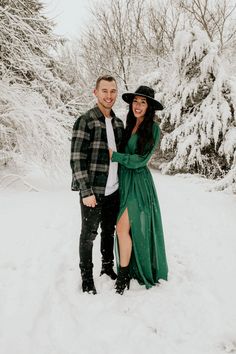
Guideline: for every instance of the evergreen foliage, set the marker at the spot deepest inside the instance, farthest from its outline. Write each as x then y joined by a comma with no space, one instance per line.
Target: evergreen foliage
199,119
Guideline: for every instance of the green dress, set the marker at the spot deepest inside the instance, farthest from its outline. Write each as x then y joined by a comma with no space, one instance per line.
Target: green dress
138,194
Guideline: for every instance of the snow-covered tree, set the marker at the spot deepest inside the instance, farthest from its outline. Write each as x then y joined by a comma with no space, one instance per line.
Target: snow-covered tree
112,43
27,45
199,119
74,73
34,119
163,19
216,18
127,38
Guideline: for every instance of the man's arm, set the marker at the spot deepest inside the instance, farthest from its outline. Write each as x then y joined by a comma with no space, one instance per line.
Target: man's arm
79,157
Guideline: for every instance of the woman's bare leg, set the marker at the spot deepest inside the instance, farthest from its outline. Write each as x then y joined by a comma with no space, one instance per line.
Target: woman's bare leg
125,242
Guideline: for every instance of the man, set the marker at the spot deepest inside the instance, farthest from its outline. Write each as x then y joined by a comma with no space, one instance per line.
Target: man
96,178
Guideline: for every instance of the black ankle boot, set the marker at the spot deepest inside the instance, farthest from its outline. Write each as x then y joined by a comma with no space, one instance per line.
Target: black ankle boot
123,280
107,268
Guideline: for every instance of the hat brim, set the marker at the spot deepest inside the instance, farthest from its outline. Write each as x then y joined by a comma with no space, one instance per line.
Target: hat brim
129,96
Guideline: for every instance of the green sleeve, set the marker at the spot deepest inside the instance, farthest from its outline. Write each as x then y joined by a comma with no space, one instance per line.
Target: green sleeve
136,161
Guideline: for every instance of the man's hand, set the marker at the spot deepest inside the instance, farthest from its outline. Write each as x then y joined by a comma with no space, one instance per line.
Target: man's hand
90,201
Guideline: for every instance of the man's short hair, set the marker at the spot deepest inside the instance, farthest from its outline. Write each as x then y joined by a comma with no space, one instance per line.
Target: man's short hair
106,78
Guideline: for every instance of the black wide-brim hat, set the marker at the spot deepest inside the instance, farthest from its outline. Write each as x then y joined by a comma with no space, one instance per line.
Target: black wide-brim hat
143,91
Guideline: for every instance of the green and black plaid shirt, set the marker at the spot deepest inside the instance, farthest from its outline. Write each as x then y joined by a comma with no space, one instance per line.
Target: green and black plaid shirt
89,152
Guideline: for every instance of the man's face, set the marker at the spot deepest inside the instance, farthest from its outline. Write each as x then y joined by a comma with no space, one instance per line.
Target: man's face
106,93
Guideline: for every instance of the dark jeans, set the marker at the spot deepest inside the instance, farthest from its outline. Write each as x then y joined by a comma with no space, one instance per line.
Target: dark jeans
105,213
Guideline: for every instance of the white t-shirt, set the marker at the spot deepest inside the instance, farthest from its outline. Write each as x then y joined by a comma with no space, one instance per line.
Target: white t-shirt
112,180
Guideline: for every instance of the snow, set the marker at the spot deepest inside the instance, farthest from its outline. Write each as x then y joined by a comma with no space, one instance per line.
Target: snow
43,310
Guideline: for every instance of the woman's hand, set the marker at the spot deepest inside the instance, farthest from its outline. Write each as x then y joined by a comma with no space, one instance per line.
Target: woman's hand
110,153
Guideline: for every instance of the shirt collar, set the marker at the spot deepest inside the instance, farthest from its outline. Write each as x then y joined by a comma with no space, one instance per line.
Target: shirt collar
99,114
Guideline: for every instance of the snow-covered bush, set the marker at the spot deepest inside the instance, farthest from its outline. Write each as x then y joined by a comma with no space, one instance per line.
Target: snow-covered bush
30,132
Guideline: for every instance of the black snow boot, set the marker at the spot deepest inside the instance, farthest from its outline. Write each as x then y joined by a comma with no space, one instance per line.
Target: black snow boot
107,268
88,286
87,280
123,280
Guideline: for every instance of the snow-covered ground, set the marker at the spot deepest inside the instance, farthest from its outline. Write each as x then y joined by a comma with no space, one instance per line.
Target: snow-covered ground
42,308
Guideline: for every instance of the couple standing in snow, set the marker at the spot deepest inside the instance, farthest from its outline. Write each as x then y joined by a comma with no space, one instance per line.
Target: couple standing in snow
100,146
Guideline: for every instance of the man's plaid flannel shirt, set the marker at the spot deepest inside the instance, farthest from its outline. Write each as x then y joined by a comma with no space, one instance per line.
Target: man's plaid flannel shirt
89,152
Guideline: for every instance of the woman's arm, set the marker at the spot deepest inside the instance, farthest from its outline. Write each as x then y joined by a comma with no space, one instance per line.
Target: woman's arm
136,161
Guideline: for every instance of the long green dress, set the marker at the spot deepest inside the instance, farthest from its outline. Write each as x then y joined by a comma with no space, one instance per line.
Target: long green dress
137,193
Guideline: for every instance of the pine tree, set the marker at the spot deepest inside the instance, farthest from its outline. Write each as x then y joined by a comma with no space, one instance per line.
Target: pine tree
199,119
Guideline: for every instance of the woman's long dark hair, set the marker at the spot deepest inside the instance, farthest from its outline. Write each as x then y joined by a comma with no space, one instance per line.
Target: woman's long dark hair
145,137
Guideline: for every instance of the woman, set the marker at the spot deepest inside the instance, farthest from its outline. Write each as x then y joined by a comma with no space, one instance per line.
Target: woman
139,226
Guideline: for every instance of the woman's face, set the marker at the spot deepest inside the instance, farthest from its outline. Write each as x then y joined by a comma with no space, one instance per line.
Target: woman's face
139,107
